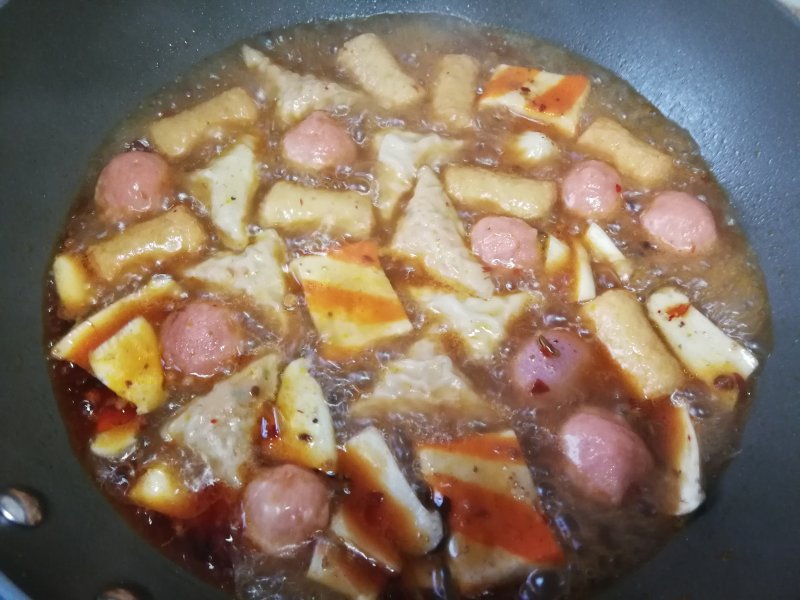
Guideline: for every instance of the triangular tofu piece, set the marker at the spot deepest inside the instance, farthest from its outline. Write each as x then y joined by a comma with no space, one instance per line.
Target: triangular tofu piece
398,525
431,234
479,324
496,530
150,299
297,95
303,422
129,364
345,572
350,299
220,426
257,273
424,381
227,186
400,154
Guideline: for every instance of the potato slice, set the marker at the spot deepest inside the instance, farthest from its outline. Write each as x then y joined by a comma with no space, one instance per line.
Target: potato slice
293,208
226,186
700,345
220,426
117,441
476,188
622,327
129,364
296,96
479,324
609,141
162,489
556,256
400,155
345,572
73,285
424,381
257,274
369,63
304,421
496,531
350,299
172,235
550,98
584,277
87,335
453,90
178,135
400,524
430,232
604,249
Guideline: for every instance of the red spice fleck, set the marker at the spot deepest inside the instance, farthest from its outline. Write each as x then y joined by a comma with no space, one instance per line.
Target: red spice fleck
673,312
618,187
213,421
539,387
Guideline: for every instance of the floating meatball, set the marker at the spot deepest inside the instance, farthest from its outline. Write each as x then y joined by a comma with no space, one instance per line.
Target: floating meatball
132,185
550,364
505,242
202,339
592,189
680,222
283,507
319,142
607,456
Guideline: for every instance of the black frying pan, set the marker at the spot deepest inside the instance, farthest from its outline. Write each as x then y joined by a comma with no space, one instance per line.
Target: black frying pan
727,70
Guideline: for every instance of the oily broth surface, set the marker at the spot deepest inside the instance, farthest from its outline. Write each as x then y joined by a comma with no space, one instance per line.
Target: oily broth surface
600,542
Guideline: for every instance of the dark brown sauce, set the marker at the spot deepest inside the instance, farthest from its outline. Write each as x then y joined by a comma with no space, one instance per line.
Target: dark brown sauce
598,542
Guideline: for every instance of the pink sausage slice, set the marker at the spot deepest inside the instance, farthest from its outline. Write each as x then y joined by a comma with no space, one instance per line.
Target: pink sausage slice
505,242
202,339
132,185
591,189
549,364
283,507
607,456
319,142
680,222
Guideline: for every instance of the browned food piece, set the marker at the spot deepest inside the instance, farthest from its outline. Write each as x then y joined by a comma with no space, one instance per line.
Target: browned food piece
609,141
453,92
176,136
368,62
621,325
177,233
476,188
131,186
73,285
